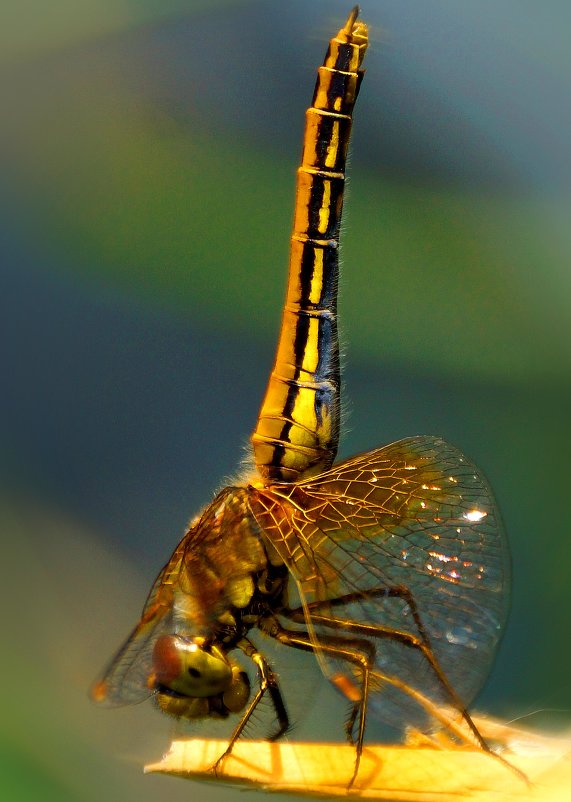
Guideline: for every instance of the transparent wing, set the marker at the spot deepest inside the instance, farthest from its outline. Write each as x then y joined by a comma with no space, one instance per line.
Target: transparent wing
127,679
211,569
416,516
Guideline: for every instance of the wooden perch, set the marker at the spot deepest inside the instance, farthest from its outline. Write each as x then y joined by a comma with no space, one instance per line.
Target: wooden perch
408,773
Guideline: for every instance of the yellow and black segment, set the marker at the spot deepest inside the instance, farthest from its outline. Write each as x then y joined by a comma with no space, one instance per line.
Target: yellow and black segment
298,426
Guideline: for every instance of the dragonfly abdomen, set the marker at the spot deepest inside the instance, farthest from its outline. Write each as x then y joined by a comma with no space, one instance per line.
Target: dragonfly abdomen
298,426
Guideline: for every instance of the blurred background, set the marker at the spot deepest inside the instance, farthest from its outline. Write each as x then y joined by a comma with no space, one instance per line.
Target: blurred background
148,157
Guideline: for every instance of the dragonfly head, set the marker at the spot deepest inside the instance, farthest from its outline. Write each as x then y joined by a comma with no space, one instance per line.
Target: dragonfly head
194,678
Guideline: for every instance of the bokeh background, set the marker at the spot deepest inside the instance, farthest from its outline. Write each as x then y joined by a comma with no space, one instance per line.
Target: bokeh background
148,154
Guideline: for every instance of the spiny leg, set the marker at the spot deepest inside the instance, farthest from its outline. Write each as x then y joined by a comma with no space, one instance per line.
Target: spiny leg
358,651
268,682
398,591
407,639
421,642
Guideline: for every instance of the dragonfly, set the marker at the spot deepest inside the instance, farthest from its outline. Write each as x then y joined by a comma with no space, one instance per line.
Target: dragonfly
391,567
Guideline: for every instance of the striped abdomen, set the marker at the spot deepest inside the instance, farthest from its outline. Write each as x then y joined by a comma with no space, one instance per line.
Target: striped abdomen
298,425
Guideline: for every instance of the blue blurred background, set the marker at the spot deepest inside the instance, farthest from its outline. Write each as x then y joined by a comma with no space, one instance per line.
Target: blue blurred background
148,152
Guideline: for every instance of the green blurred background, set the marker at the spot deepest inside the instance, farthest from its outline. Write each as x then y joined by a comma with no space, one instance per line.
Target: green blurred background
148,152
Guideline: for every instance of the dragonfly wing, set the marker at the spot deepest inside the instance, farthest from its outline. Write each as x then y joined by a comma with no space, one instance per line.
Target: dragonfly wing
416,514
128,678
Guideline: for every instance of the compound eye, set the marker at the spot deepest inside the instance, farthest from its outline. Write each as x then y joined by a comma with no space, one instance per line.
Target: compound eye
188,668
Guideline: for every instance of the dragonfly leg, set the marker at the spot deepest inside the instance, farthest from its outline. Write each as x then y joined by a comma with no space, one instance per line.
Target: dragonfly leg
399,591
408,639
358,651
420,641
268,683
350,723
